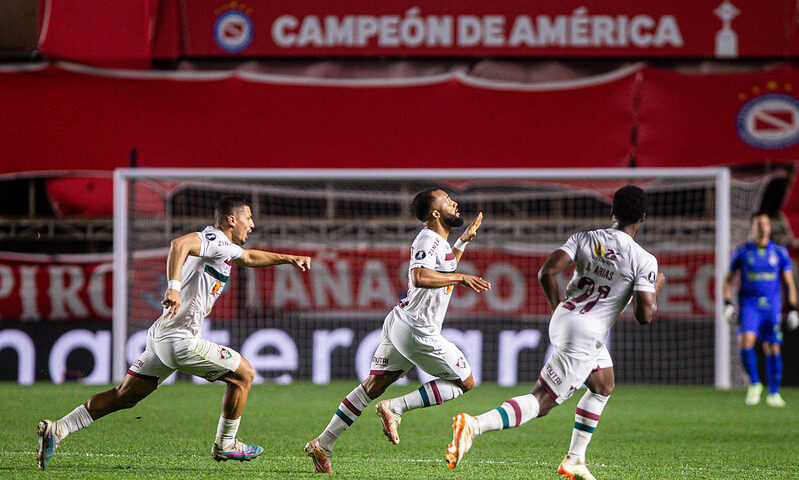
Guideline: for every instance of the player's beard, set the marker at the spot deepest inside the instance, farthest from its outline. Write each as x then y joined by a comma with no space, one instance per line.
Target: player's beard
451,220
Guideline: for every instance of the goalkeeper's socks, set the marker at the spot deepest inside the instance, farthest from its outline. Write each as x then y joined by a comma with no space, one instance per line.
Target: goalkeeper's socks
434,392
348,411
749,361
774,372
226,432
586,418
72,422
512,413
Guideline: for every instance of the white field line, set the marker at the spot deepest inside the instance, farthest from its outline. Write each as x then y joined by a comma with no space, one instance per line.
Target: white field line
408,460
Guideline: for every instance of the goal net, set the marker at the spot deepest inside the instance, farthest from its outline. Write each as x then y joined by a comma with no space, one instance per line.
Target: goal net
357,226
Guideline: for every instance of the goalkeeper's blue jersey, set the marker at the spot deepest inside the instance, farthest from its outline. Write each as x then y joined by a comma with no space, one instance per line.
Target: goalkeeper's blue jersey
761,271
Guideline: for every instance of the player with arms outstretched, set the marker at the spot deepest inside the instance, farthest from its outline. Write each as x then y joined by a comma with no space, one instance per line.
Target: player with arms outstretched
412,331
612,269
198,266
763,265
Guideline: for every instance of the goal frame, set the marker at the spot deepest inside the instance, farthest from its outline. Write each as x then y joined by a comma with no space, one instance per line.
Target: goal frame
720,176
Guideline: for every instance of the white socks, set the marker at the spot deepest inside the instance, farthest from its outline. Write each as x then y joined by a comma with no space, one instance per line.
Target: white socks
512,413
348,411
72,422
586,418
434,392
226,432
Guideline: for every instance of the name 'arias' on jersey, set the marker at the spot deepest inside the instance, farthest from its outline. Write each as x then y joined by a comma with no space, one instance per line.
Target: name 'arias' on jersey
610,265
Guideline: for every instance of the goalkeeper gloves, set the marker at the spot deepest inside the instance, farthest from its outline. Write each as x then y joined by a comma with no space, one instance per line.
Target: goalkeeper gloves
792,321
729,313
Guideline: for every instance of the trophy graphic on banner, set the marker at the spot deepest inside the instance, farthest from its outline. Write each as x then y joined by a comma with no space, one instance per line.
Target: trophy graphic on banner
726,38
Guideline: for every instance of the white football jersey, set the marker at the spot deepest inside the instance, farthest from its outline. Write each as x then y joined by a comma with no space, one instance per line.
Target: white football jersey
204,278
424,308
610,265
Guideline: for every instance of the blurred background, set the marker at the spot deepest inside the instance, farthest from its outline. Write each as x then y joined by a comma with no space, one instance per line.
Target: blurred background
353,87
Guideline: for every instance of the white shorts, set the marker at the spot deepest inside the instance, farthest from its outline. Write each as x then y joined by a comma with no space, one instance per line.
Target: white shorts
401,347
195,356
579,350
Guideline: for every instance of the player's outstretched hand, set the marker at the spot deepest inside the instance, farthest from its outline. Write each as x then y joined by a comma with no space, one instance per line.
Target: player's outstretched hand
475,283
471,232
303,263
729,313
172,302
792,321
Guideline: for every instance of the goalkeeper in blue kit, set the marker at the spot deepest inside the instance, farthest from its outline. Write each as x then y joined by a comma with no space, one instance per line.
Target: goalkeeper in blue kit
764,266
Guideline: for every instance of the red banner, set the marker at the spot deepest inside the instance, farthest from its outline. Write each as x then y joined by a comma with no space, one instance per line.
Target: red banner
131,31
55,287
718,119
90,119
342,281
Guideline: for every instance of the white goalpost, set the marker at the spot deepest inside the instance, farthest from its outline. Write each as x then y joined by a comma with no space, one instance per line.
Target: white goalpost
357,226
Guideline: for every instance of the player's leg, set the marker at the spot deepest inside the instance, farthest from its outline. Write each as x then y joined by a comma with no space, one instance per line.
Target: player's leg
772,349
388,365
141,380
320,448
208,360
600,385
747,336
556,383
438,357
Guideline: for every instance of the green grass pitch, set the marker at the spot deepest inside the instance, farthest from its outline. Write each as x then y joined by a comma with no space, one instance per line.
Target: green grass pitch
646,432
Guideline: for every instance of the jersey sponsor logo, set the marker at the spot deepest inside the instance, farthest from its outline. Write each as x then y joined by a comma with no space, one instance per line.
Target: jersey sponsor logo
380,361
769,121
420,255
599,250
772,260
552,375
210,236
233,31
651,277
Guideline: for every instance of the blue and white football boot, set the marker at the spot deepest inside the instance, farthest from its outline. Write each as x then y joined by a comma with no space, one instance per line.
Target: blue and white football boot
239,451
48,442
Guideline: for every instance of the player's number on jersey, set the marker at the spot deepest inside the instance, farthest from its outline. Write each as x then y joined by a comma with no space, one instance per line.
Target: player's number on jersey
587,285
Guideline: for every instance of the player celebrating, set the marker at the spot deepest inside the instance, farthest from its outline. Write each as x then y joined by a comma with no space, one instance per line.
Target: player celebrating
412,331
174,342
611,270
762,264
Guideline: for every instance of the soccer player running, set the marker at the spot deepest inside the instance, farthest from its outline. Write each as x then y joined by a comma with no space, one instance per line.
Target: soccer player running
763,264
198,266
611,270
412,331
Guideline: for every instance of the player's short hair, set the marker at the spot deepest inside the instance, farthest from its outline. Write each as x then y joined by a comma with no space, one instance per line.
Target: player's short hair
422,203
758,213
226,206
629,204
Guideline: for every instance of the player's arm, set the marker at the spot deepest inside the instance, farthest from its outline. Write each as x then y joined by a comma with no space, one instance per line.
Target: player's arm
646,303
179,250
790,289
258,258
726,293
547,276
466,236
427,278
